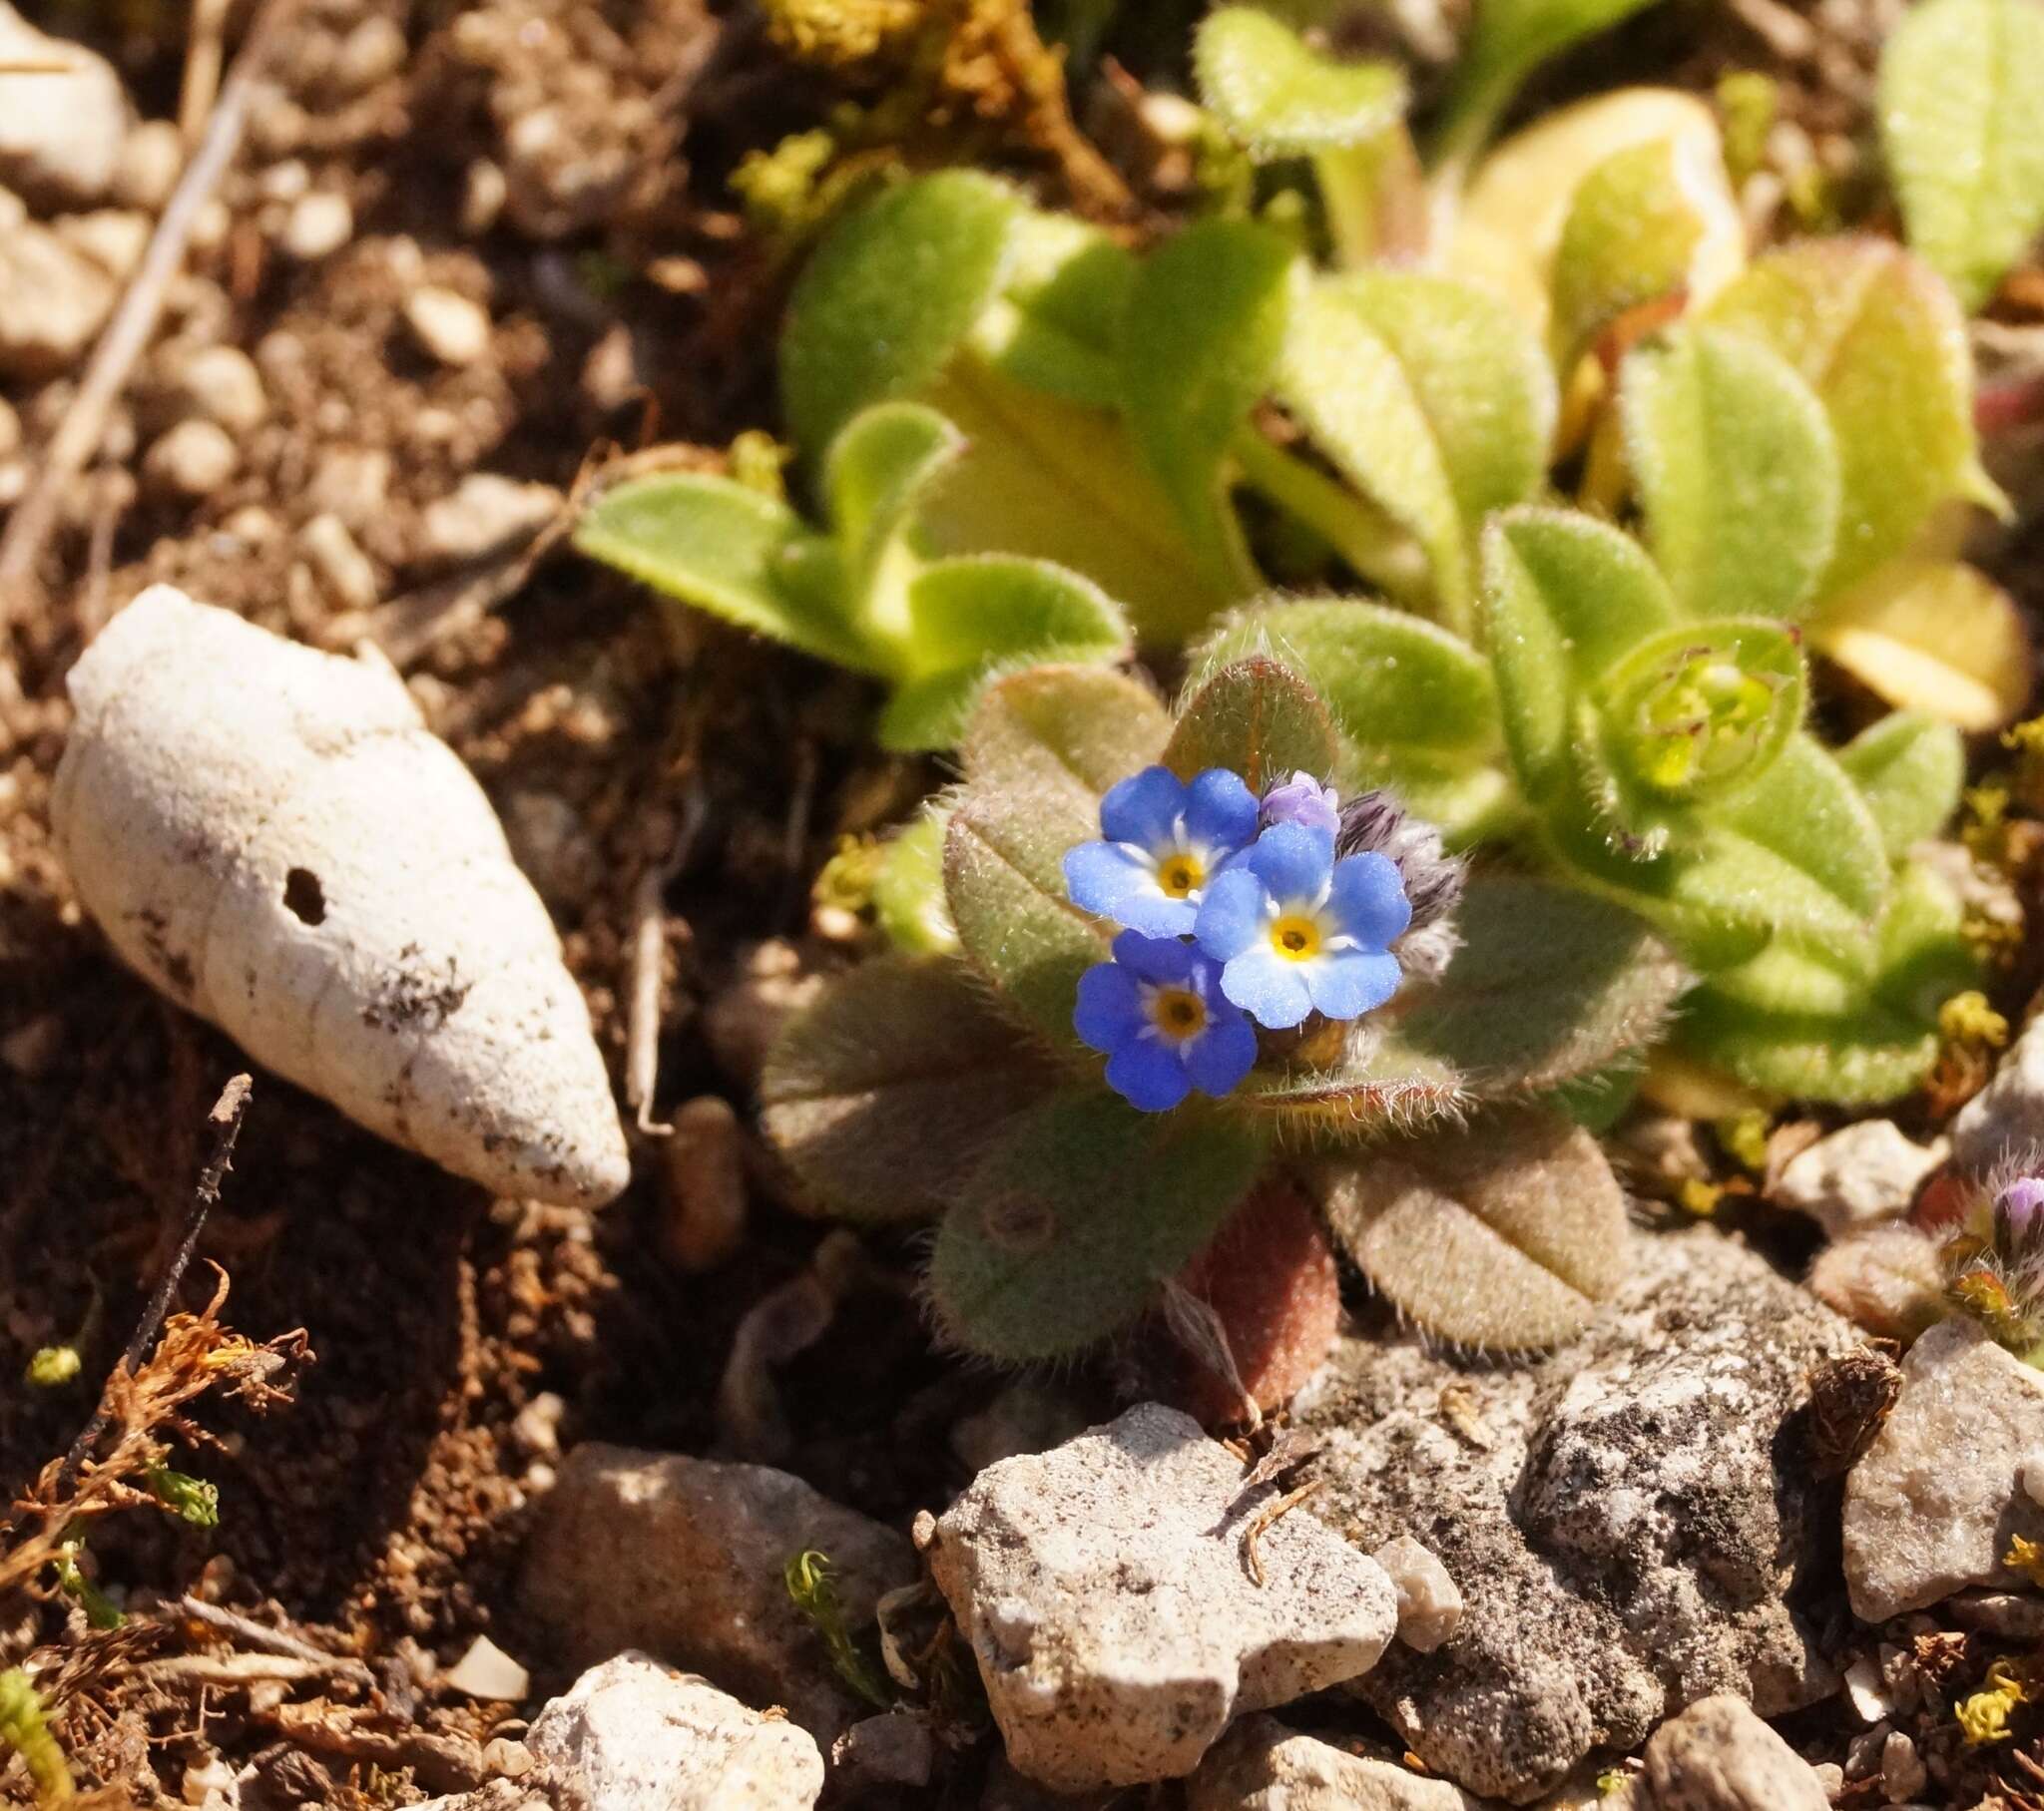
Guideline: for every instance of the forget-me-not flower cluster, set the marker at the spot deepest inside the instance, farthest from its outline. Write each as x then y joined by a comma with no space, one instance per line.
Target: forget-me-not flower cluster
1238,913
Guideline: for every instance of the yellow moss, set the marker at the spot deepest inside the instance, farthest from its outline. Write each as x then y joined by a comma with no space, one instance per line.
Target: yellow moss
1969,1020
1983,1718
2027,1557
1745,1137
841,32
1699,1197
848,877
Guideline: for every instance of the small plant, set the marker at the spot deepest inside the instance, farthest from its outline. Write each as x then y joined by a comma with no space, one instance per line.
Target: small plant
1287,981
1995,1265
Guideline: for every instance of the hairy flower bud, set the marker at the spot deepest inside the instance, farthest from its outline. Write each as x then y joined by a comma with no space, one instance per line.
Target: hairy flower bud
1434,879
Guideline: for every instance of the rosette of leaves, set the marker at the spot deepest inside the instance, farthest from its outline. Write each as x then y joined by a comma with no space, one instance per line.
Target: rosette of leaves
954,1087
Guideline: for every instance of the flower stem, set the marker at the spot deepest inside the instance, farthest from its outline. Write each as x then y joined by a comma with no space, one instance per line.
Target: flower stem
1378,551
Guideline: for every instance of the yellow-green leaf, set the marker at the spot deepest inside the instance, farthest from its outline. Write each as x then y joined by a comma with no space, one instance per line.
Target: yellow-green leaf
1278,98
1934,637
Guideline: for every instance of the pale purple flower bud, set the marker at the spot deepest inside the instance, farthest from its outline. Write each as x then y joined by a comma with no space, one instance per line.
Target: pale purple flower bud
2019,1211
1305,801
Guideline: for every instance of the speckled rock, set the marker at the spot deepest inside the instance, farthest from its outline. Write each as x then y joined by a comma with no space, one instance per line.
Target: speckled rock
1861,1176
1625,1517
2007,1117
1429,1601
1262,1765
683,1558
1107,1597
1718,1757
1932,1503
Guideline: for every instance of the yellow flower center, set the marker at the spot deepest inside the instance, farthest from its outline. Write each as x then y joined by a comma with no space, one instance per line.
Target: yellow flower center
1180,876
1178,1013
1296,937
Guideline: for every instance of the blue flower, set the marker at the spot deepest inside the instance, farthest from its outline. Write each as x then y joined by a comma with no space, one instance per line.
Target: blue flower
1298,932
1303,800
1156,1012
1163,843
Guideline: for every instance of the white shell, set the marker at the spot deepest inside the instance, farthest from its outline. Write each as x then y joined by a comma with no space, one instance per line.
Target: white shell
273,836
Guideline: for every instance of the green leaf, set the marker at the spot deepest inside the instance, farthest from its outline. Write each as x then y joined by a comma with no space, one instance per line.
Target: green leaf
1202,331
1350,1081
1908,768
1859,1059
1391,680
889,296
882,1093
1564,598
1965,136
1882,344
1077,1215
972,618
1065,734
1430,397
1505,1237
1549,984
721,548
908,889
1737,471
1808,815
874,471
1279,98
1933,636
1053,327
1509,40
1256,719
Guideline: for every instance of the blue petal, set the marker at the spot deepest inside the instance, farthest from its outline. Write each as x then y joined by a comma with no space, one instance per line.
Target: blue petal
1155,958
1222,1054
1269,988
1292,861
1156,915
1348,982
1144,810
1109,1011
1100,875
1221,812
1230,916
1148,1075
1367,899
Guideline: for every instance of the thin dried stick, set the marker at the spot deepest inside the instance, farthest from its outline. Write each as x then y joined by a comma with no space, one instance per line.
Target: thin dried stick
78,435
202,67
251,1633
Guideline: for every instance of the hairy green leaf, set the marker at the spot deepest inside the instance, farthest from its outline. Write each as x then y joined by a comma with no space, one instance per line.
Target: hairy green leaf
908,889
721,548
1281,99
1202,334
1549,984
889,296
1965,136
1079,1212
1510,39
873,472
1066,734
1257,719
1856,1059
1908,768
1933,636
1882,344
882,1093
1737,471
1505,1237
1348,1082
1053,325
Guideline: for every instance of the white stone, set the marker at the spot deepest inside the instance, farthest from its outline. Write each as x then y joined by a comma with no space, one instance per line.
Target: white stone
1903,1773
61,128
448,326
483,513
344,572
487,1672
1868,1691
151,162
220,383
634,1735
1429,1603
1106,1594
113,237
373,52
1260,1765
317,225
272,836
1860,1177
1932,1504
1718,1757
53,302
2005,1119
191,460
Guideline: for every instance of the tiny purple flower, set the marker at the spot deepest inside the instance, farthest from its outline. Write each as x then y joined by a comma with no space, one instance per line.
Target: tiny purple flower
1163,841
2019,1210
1303,800
1298,932
1157,1013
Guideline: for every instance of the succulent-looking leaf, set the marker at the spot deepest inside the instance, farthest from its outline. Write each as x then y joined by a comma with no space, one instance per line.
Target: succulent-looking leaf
1549,984
1909,769
1882,344
1643,224
1391,680
1510,39
1511,216
1259,719
1279,98
882,1093
721,548
1737,471
1201,336
1935,637
1067,733
1078,1213
889,296
1965,136
1506,1237
1564,598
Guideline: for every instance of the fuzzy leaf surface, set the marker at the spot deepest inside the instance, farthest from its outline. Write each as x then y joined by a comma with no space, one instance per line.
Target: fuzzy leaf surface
1506,1236
1077,1213
1909,769
1632,232
1508,41
884,1091
1737,471
1065,734
1281,99
1965,136
1380,1082
1259,719
1935,637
